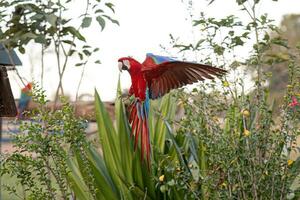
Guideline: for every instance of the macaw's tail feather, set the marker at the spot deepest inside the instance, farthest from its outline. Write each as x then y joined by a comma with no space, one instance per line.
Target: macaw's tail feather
138,118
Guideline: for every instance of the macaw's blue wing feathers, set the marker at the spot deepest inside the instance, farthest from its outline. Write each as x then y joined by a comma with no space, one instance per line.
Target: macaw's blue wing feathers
138,119
154,60
159,59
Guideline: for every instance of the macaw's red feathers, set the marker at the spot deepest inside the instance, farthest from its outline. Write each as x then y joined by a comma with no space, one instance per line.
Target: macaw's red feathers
139,127
175,74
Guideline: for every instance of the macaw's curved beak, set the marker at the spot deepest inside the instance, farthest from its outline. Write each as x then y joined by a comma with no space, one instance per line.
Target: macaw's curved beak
122,66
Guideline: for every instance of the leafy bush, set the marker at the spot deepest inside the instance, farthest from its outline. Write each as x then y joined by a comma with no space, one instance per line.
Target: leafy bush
39,163
242,146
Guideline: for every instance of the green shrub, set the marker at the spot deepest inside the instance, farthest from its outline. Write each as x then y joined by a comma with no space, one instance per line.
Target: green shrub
39,163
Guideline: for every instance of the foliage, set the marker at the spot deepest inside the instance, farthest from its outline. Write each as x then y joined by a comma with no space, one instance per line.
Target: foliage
248,151
52,26
278,56
39,163
119,172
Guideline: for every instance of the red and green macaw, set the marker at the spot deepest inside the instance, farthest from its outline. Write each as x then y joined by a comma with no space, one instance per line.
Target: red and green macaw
152,79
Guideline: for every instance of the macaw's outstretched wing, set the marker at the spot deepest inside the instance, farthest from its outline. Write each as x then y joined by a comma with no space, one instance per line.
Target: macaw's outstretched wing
163,74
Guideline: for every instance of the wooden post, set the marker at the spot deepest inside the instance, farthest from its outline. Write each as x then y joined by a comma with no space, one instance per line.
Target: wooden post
7,102
0,155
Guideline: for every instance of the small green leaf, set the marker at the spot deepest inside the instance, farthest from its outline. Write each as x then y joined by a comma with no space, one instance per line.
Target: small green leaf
74,32
86,52
21,50
199,43
69,42
29,35
40,39
86,22
219,50
110,6
237,41
71,52
80,55
79,64
280,42
51,19
112,20
101,22
99,11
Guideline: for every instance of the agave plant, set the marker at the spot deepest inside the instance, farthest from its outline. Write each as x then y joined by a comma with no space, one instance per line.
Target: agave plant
118,172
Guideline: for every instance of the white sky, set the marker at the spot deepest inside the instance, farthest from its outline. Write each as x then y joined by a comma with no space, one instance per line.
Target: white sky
144,25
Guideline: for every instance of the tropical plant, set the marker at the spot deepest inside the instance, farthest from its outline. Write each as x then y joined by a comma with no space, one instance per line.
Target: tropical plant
119,171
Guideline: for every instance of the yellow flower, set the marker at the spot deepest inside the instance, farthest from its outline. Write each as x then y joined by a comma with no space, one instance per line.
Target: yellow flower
245,113
266,173
161,178
215,118
225,84
289,162
224,184
246,133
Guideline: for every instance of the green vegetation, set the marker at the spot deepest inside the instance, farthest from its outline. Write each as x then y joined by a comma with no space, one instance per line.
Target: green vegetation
229,143
50,26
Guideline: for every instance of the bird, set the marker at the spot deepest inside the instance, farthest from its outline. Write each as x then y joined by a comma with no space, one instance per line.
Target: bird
152,79
24,100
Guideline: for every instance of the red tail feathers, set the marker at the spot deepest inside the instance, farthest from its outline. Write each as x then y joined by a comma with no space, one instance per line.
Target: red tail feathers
138,118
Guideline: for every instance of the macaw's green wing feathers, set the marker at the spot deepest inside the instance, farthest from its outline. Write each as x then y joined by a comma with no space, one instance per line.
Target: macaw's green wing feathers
175,74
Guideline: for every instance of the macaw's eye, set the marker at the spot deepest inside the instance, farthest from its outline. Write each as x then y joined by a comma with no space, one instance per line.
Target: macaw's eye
127,64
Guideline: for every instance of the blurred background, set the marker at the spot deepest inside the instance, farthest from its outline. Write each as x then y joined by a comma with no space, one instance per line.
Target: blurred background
144,26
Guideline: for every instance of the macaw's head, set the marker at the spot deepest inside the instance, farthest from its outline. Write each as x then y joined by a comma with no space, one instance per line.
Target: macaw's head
27,88
129,64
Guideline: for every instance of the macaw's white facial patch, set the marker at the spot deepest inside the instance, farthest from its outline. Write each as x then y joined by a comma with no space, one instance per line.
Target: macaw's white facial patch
126,63
120,64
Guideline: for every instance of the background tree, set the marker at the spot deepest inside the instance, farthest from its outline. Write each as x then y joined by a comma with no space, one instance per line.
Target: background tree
290,31
51,25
